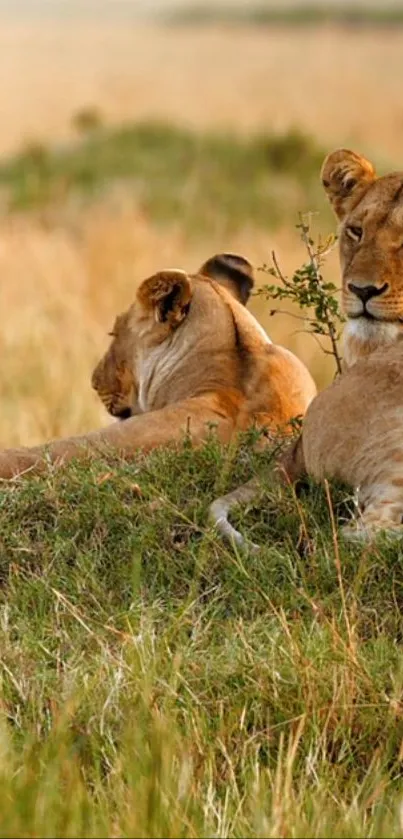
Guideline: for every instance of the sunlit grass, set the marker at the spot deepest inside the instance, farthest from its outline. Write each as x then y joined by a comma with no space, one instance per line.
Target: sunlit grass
155,683
152,681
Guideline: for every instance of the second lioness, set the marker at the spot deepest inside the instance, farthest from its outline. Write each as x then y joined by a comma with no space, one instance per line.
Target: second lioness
186,355
353,430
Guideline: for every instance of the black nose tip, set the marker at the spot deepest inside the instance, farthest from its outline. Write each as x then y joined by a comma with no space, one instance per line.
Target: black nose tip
124,414
364,293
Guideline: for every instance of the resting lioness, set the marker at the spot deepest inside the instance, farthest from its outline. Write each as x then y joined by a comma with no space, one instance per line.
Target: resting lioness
187,354
353,430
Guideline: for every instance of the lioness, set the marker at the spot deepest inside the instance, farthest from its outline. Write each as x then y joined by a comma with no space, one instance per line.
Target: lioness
185,355
353,430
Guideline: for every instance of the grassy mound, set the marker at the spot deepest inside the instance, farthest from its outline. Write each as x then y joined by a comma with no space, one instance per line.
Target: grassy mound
155,683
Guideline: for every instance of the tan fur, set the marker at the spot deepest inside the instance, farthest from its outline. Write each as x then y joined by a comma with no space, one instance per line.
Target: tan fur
187,354
353,430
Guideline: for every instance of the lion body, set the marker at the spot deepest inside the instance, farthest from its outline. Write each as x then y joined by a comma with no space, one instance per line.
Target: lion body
353,430
353,433
186,356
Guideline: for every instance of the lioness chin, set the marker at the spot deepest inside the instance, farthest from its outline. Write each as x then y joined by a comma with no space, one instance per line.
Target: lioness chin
186,355
353,430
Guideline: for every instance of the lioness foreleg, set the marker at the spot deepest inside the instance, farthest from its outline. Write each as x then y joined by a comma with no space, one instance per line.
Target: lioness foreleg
144,432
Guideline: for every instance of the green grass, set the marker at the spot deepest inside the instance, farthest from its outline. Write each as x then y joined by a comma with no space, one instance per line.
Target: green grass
155,683
260,14
199,180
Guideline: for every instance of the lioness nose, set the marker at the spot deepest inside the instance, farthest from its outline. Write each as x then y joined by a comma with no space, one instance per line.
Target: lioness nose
122,413
365,292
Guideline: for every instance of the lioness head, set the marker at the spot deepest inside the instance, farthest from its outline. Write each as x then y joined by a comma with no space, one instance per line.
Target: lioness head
370,210
152,332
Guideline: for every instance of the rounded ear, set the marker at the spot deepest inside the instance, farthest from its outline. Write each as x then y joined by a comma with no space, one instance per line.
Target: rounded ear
232,271
168,295
346,177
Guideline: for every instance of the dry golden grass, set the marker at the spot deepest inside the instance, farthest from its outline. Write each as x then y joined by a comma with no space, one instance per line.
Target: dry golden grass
341,86
61,284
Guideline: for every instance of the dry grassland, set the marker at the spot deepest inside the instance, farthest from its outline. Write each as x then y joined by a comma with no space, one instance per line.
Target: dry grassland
61,283
338,85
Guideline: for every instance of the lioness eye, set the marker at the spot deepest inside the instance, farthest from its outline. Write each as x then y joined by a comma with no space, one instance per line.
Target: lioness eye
112,334
354,232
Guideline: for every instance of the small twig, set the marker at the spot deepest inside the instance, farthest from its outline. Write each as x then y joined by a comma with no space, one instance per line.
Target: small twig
279,273
288,314
324,350
308,290
316,266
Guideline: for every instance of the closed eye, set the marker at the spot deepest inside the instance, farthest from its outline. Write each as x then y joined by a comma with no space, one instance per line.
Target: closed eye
354,232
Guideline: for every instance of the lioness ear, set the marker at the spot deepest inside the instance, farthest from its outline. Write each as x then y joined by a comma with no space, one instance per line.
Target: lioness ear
346,177
232,271
168,294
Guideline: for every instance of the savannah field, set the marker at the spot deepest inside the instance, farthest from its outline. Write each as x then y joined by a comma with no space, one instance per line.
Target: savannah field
153,682
71,259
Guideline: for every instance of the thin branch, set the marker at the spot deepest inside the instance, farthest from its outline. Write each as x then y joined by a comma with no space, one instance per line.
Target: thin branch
288,314
315,262
279,272
309,291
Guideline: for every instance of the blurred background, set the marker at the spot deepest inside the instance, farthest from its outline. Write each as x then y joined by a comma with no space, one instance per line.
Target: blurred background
141,134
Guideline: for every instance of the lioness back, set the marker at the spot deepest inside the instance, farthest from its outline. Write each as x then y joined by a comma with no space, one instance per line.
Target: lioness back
188,335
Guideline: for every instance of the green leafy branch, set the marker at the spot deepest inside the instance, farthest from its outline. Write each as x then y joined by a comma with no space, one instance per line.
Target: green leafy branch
308,289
